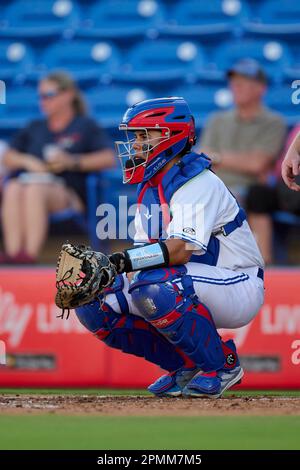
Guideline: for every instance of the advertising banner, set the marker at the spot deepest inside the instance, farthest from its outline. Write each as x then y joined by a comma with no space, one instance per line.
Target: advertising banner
38,349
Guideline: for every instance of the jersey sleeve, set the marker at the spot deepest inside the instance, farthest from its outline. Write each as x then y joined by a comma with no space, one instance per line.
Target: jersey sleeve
194,208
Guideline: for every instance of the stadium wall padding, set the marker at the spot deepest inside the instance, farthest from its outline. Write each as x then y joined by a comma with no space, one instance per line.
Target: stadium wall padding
45,351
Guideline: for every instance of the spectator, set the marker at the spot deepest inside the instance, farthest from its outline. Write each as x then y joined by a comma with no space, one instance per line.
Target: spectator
245,143
48,163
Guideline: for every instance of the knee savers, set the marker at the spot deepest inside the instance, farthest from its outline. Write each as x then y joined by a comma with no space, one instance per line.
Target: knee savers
178,315
129,333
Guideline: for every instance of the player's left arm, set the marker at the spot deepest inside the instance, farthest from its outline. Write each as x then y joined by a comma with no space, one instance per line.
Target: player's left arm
82,273
179,251
194,208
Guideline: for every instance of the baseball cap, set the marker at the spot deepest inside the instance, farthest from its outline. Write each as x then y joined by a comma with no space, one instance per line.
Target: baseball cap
248,68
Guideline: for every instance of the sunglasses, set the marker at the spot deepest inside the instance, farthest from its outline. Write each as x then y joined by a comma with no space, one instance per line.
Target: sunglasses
49,94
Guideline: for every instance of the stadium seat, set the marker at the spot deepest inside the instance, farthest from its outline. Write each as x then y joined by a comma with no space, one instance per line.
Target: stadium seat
283,222
279,98
275,18
103,187
118,19
204,99
67,215
39,18
286,218
273,56
106,187
155,62
85,60
16,60
212,19
292,71
109,103
20,108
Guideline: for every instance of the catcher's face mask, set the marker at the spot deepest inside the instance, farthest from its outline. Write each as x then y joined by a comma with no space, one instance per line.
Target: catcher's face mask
140,147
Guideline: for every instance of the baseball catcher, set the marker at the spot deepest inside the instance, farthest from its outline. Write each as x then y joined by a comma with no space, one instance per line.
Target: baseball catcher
194,267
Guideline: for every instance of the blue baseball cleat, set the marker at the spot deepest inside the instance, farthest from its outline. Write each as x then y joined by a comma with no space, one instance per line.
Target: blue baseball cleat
213,385
172,384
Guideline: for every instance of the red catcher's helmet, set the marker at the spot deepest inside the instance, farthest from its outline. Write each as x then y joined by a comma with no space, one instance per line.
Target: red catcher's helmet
171,116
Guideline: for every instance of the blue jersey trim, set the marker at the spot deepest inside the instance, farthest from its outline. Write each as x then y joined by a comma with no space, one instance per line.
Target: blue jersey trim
210,280
221,282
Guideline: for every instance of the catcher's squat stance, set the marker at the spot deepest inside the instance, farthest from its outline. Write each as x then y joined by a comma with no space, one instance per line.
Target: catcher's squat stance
196,264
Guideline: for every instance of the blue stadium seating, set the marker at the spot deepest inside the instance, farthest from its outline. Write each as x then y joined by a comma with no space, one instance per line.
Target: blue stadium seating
210,20
85,60
39,18
286,218
283,222
118,19
274,57
87,222
279,98
190,46
276,18
155,62
21,106
292,72
108,103
71,215
204,99
16,60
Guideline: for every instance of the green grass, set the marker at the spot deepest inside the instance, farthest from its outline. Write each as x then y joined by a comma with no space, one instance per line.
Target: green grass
78,432
108,391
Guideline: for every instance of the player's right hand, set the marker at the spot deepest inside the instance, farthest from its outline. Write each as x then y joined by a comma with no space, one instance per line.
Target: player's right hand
289,170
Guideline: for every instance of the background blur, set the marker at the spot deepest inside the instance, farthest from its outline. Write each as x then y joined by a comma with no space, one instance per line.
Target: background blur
120,52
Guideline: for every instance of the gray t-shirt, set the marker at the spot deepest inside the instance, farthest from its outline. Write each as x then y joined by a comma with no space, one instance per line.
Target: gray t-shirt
225,131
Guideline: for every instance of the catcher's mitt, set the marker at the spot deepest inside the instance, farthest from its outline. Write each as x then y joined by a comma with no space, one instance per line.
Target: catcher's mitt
81,275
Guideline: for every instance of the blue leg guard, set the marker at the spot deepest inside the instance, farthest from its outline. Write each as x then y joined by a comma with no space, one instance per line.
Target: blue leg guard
129,333
178,315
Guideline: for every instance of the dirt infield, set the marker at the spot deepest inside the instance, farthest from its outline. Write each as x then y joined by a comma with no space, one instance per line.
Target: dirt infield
147,406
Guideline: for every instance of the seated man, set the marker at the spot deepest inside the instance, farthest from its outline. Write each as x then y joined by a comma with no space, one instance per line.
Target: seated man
244,143
196,266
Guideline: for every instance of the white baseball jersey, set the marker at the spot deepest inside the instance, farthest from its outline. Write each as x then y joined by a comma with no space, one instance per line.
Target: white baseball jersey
231,290
199,209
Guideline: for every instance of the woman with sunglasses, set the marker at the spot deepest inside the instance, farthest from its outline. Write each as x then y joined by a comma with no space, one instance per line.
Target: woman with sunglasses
48,163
